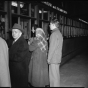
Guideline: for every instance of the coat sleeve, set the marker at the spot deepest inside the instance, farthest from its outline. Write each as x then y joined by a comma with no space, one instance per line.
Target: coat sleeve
21,53
4,65
33,45
52,46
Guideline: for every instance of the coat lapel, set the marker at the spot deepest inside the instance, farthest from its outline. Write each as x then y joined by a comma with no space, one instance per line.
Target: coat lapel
15,44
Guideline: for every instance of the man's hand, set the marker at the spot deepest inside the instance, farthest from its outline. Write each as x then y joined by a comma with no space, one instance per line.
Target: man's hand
30,41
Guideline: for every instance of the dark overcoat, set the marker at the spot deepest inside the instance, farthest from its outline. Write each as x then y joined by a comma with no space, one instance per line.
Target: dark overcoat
19,61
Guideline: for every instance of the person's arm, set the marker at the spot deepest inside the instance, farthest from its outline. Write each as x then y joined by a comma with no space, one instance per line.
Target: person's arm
52,47
30,41
33,45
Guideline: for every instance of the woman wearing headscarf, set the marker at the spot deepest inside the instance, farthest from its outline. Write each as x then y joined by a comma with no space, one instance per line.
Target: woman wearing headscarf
38,69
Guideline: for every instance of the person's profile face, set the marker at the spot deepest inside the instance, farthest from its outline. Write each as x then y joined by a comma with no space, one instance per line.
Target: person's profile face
51,26
15,33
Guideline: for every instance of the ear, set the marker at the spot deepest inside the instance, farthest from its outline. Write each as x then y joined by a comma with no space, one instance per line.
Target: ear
54,25
20,33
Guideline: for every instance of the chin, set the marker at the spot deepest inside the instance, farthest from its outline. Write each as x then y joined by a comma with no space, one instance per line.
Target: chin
14,37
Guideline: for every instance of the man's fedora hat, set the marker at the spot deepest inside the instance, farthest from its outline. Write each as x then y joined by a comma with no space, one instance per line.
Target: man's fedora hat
9,32
18,26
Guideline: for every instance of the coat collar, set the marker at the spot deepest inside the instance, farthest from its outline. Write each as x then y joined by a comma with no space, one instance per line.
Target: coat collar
20,38
55,30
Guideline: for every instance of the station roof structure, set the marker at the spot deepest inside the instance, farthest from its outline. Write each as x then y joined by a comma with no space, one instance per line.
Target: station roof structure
75,8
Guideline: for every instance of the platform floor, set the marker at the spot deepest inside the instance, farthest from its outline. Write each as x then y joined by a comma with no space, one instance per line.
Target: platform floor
74,73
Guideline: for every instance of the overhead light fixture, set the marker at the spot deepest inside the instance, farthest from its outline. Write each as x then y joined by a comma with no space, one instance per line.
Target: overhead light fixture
43,11
15,4
40,11
83,21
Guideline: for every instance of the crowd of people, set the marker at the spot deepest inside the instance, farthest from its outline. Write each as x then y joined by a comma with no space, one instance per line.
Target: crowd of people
34,62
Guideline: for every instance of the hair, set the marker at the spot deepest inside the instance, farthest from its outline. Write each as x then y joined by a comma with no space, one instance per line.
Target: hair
35,26
55,21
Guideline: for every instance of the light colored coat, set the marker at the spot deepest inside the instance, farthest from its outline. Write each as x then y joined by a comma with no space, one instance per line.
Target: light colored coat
38,67
4,65
55,47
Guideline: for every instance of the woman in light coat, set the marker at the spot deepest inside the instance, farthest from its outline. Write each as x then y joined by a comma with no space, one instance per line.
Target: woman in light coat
38,67
4,65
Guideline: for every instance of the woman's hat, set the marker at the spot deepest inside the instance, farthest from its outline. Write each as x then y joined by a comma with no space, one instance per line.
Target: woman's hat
40,31
18,26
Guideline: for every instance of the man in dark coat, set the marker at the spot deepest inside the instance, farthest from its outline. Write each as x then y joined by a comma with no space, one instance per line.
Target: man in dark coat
19,58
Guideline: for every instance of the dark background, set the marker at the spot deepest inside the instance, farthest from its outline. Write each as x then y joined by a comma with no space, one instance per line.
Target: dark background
75,8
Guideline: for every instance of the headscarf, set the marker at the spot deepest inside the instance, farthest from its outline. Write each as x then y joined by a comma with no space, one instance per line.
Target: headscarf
40,35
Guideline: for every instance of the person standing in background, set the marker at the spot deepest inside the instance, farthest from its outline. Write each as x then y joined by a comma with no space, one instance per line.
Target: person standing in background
34,27
19,58
38,71
55,53
4,64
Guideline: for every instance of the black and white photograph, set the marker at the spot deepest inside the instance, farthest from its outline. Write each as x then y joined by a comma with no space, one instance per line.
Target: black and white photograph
44,43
